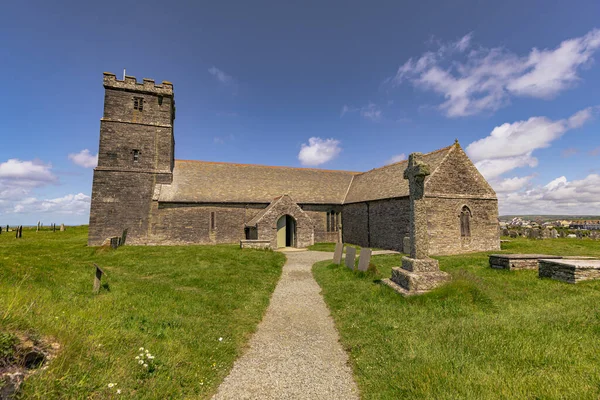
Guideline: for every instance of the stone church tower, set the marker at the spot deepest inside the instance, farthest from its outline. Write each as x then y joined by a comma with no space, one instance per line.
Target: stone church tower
136,152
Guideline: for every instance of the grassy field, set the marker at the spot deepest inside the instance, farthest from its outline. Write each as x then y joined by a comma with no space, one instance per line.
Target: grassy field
194,308
489,334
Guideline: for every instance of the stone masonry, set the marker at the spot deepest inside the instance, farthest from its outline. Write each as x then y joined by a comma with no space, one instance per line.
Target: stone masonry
139,185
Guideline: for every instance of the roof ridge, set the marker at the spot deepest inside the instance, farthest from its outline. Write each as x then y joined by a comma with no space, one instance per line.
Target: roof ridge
272,166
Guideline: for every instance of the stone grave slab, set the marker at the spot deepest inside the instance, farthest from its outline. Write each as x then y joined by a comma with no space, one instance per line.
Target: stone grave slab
364,259
337,254
517,261
569,270
350,257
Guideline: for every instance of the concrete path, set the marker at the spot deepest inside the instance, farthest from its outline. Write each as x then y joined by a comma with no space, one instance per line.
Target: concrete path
295,353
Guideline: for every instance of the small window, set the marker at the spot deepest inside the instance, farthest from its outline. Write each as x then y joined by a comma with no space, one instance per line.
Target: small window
465,222
160,99
136,155
138,103
213,221
332,221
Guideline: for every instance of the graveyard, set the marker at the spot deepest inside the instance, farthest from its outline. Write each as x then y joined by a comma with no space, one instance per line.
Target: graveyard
488,333
193,308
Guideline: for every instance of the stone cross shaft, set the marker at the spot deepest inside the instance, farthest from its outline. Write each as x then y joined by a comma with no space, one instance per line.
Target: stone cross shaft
415,173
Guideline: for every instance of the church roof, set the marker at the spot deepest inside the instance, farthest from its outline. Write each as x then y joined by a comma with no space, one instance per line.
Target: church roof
388,181
218,182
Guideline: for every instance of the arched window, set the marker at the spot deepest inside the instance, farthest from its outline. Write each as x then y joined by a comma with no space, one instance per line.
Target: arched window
465,222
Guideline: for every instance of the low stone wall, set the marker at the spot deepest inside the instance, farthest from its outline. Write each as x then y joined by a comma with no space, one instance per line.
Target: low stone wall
569,270
517,261
255,244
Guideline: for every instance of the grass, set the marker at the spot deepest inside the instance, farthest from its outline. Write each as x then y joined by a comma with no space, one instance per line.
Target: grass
488,334
175,301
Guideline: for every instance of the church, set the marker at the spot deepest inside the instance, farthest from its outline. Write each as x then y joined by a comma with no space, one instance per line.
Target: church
139,185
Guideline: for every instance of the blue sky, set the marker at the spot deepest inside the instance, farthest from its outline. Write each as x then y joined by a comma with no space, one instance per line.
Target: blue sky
337,85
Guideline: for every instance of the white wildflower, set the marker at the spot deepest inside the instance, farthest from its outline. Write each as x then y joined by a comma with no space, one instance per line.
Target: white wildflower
220,339
137,357
111,385
141,362
141,349
145,365
118,391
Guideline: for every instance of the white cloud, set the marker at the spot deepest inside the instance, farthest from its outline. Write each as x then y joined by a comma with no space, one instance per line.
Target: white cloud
221,76
73,204
371,111
510,184
18,178
559,196
396,158
484,79
511,146
319,151
84,159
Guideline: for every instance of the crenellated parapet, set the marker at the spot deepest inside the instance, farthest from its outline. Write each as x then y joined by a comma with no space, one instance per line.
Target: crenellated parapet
131,84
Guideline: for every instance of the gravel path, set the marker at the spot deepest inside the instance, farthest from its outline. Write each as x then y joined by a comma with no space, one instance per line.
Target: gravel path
295,353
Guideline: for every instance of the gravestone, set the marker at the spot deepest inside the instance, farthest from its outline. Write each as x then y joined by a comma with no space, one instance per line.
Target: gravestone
0,230
98,278
553,233
17,233
419,273
53,227
350,257
38,227
337,254
406,245
123,237
513,234
114,242
364,259
570,270
62,227
562,234
505,232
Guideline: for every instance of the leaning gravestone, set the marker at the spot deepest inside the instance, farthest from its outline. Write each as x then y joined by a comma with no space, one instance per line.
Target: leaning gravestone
419,273
364,259
62,227
123,237
337,254
350,257
98,278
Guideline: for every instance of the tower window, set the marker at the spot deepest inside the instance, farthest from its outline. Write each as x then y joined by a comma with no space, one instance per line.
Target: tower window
138,103
160,99
136,155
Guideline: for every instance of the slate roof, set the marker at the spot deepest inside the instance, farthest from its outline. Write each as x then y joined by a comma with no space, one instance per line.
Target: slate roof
388,182
217,182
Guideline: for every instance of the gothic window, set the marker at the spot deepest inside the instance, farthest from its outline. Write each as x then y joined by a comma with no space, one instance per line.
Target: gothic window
136,155
138,103
465,222
160,100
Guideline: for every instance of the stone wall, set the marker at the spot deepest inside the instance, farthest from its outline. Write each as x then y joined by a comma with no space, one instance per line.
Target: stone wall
318,214
175,223
444,225
120,200
380,223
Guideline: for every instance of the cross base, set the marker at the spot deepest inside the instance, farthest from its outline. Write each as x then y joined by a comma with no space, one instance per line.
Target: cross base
417,276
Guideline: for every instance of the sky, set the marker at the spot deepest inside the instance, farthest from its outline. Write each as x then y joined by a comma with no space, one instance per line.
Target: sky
348,85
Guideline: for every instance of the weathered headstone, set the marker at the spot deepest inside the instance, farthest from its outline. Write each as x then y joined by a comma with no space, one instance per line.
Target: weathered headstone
337,254
513,234
98,278
406,245
505,232
553,233
350,257
0,230
123,237
114,242
364,259
53,227
62,227
419,273
38,227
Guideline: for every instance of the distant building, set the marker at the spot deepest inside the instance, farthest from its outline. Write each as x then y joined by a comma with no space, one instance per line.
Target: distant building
585,224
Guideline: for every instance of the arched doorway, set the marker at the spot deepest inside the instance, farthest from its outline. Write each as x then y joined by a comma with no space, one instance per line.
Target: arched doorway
286,231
